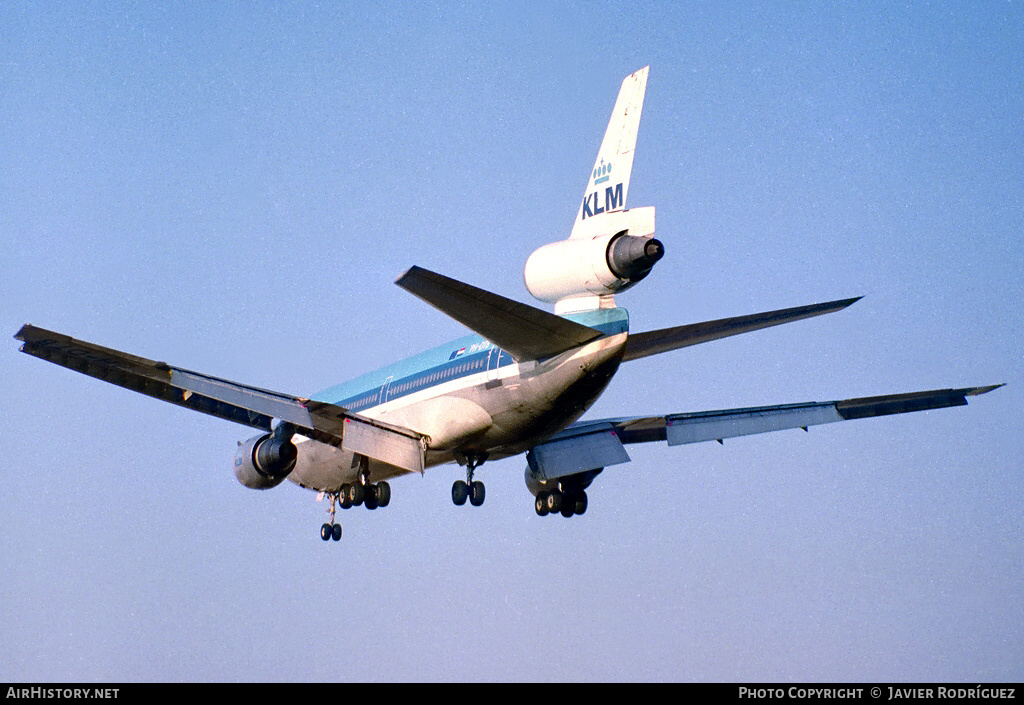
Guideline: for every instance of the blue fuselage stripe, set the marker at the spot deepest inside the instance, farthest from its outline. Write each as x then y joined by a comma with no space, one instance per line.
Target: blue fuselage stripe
418,381
466,356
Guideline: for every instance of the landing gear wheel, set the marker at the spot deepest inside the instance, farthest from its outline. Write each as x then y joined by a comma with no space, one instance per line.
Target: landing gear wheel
355,494
330,530
346,502
370,497
540,503
580,504
554,501
383,492
460,492
469,489
476,493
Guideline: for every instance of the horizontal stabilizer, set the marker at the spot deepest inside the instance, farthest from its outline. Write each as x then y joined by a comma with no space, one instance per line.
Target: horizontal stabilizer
249,406
658,341
524,332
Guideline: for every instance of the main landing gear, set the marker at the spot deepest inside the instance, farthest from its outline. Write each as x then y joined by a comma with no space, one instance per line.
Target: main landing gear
364,492
556,502
568,499
470,489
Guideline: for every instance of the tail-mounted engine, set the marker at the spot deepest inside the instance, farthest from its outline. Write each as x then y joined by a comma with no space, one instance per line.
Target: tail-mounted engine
601,265
263,462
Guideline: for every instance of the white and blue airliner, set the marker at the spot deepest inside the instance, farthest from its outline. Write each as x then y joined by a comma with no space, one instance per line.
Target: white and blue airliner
518,385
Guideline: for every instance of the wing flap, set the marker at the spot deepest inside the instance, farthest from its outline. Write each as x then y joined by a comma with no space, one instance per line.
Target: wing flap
233,394
525,332
363,436
597,446
658,341
711,426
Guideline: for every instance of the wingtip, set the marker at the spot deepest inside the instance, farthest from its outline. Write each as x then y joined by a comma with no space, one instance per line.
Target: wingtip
406,274
27,331
984,390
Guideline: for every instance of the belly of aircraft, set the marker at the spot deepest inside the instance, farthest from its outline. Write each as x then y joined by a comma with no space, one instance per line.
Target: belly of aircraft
525,405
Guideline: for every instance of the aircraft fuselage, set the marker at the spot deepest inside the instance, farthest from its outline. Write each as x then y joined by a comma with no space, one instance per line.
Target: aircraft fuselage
517,404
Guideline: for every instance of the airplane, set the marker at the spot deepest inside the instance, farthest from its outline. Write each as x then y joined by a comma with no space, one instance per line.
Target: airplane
518,385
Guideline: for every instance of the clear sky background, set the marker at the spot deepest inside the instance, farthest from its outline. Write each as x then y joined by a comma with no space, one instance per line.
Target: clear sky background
233,188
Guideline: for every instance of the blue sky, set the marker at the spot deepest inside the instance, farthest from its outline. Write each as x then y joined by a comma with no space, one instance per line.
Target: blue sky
233,188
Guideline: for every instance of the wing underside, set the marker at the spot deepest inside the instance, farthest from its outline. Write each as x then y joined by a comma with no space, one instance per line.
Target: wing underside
243,404
592,444
678,429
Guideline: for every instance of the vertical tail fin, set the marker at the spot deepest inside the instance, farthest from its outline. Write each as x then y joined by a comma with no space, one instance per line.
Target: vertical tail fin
608,182
610,248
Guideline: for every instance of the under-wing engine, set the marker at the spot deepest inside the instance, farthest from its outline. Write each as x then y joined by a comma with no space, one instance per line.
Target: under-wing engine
265,461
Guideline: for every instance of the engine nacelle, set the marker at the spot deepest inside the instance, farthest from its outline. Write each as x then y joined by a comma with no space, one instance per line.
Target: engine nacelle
596,266
265,461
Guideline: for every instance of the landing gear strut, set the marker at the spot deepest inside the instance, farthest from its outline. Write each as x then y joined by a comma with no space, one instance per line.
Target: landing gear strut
470,489
330,530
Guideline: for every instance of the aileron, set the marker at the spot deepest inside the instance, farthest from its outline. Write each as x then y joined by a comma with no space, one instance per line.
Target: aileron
867,407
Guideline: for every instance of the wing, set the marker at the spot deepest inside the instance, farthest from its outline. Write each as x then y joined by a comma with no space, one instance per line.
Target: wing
594,444
249,406
658,341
